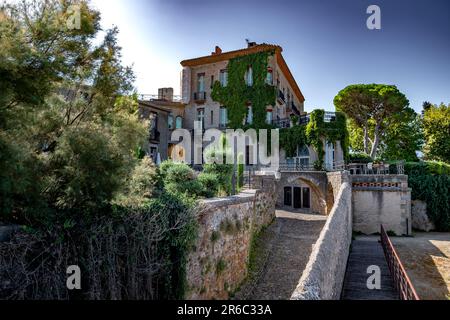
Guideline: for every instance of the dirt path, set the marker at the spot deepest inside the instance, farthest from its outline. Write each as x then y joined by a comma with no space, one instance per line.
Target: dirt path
282,252
426,258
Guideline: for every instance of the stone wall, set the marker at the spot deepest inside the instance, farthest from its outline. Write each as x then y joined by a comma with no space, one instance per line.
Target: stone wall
419,216
226,226
324,274
381,200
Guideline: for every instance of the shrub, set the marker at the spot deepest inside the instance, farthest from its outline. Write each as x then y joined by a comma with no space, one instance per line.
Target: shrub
430,182
224,173
210,184
360,157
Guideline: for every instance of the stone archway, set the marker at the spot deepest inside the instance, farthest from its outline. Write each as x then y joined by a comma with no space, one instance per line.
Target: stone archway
315,185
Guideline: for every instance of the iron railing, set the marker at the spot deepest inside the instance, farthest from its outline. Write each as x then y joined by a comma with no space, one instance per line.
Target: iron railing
402,282
156,97
200,96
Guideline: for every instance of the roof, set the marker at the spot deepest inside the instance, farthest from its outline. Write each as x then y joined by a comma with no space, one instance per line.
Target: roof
251,50
160,105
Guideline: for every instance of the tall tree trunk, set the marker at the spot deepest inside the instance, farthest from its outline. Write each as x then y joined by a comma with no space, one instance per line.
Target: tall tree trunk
376,141
366,138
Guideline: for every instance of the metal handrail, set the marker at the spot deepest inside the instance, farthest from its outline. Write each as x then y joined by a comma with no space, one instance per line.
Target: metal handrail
402,282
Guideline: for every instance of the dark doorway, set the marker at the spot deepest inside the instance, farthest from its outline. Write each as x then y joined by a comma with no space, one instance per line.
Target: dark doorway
306,198
288,196
297,198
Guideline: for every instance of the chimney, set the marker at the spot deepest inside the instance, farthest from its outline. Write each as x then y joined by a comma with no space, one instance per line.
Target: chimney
217,51
249,43
165,94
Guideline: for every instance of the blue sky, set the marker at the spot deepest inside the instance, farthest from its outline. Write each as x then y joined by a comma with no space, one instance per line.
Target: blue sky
325,43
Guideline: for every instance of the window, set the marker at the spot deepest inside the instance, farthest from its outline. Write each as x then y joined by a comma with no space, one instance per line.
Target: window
212,81
269,77
249,118
201,117
179,122
212,117
288,196
170,121
223,78
249,77
303,155
269,117
223,117
201,82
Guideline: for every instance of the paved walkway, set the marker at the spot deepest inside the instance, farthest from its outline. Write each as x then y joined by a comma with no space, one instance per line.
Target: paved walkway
282,252
367,251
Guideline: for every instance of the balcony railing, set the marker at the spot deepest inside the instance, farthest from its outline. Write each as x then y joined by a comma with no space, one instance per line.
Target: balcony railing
280,97
282,123
155,97
200,96
294,108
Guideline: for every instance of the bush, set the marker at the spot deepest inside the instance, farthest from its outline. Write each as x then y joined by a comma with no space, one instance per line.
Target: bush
430,182
132,253
210,184
359,157
224,173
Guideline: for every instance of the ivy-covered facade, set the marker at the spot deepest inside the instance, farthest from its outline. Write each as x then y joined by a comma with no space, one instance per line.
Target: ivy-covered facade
254,88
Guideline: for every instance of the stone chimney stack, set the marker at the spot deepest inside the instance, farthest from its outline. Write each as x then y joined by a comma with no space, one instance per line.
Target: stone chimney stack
165,94
217,51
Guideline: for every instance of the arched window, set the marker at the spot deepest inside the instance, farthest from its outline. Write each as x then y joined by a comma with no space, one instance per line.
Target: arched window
303,155
179,122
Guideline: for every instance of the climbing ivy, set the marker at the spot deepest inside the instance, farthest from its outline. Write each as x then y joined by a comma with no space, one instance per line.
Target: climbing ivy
236,96
314,134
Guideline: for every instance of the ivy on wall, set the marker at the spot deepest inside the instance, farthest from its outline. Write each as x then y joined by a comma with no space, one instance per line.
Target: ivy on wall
315,133
236,96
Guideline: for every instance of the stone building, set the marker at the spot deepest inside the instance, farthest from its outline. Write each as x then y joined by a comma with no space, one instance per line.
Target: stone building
165,113
198,77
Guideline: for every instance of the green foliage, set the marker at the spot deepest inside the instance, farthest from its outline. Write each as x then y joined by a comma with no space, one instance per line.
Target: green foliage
69,171
210,184
180,178
377,102
141,184
237,95
403,137
220,267
430,182
436,127
215,236
359,157
224,174
315,133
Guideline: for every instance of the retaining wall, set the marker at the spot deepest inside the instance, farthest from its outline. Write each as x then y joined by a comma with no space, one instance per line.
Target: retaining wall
324,274
226,225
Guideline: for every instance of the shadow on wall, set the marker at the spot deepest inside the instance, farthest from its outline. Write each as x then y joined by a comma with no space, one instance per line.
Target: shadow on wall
426,258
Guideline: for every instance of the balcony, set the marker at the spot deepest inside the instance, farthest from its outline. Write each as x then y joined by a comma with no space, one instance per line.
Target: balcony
282,123
294,108
200,96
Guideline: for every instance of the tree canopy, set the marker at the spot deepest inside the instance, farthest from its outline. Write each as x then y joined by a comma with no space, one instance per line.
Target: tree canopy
376,103
436,127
